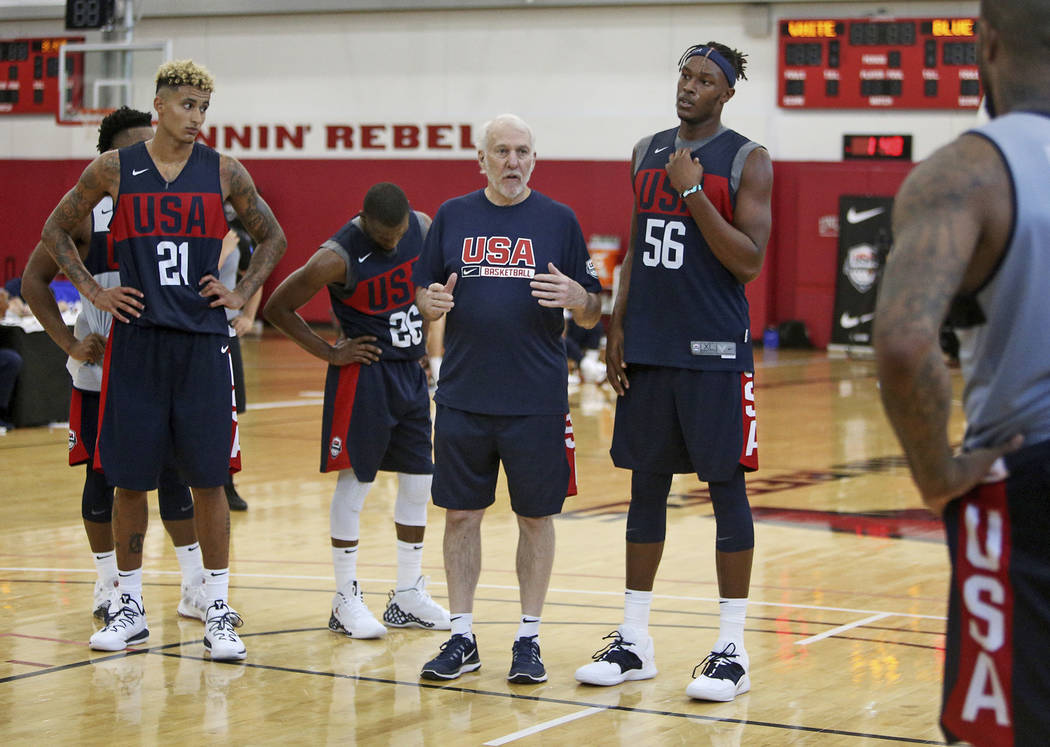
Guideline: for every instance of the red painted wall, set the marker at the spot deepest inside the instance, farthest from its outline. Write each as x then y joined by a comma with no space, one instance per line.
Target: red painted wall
313,198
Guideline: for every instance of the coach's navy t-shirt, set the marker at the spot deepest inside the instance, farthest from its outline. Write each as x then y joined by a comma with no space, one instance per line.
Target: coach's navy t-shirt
504,353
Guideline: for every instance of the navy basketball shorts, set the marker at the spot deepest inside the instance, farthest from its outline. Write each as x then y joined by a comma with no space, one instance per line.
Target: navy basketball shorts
376,418
996,678
167,389
83,426
677,420
538,453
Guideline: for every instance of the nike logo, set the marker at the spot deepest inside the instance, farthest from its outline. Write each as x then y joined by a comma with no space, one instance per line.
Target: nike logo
859,216
214,574
98,513
136,172
187,507
661,150
101,557
417,547
362,259
455,618
225,349
527,620
847,321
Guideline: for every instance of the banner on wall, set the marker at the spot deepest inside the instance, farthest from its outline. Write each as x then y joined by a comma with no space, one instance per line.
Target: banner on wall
865,237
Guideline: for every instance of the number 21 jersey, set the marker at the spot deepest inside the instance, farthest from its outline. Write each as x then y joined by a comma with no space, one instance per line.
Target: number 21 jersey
168,235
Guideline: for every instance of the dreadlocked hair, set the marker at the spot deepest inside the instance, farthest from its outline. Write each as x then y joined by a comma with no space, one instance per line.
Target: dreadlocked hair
734,57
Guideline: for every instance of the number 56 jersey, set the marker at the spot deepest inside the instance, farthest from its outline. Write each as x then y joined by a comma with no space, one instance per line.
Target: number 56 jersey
377,296
168,235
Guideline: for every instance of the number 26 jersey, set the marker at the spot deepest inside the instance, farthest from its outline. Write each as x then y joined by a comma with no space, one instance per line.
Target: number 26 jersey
168,235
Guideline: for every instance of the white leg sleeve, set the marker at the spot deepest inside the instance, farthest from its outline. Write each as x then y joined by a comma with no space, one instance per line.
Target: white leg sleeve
413,495
347,501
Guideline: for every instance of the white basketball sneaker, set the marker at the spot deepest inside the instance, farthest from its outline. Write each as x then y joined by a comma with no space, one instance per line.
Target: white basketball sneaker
126,626
352,618
723,675
221,641
414,608
194,602
106,594
619,661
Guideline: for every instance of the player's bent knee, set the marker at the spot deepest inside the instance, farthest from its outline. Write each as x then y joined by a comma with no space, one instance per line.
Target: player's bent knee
96,502
413,495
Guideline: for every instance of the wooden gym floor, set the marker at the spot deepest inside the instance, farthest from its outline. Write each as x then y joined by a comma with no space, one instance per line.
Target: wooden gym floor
845,626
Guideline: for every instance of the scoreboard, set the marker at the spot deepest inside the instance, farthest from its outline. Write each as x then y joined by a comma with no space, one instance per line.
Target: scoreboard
29,74
863,63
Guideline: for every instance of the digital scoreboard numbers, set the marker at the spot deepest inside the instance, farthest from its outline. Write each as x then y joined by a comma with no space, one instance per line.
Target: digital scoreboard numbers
913,63
29,74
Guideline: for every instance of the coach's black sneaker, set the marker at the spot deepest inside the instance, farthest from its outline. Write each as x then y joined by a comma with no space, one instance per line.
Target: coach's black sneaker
526,666
459,655
233,498
723,675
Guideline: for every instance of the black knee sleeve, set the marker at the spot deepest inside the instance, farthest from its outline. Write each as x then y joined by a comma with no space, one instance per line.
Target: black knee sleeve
647,515
174,499
734,528
96,502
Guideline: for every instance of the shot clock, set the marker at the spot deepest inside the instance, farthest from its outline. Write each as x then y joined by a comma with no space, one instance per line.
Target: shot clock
900,63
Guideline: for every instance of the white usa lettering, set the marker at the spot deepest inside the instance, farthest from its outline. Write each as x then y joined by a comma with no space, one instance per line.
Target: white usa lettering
984,596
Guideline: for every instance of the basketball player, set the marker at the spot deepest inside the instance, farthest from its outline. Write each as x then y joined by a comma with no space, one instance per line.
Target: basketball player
503,262
679,356
972,245
376,405
85,345
167,382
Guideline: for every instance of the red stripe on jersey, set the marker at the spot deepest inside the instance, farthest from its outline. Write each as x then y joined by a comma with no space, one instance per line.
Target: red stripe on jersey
654,194
97,465
235,438
386,292
979,708
570,455
346,389
78,453
169,214
749,447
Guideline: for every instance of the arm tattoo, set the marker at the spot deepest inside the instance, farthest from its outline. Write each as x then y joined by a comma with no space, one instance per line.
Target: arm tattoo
135,543
101,177
258,220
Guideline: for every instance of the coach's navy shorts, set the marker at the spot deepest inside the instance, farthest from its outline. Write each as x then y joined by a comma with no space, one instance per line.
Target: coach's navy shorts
537,451
996,678
375,418
166,389
677,420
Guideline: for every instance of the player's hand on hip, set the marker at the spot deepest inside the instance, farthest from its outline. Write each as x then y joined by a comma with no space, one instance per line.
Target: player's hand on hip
91,349
354,350
119,301
965,471
684,170
242,325
231,299
615,368
438,299
557,290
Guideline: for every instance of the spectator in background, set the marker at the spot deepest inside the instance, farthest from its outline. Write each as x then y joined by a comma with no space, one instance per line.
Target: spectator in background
10,365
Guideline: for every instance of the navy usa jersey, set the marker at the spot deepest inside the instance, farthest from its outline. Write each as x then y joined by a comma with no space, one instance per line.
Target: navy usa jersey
684,308
377,296
504,353
167,236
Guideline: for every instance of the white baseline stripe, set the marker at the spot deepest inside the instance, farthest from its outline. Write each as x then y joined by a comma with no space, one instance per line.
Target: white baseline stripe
842,629
514,588
544,726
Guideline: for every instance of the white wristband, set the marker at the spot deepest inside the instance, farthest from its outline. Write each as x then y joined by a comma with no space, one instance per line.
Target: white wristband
694,188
